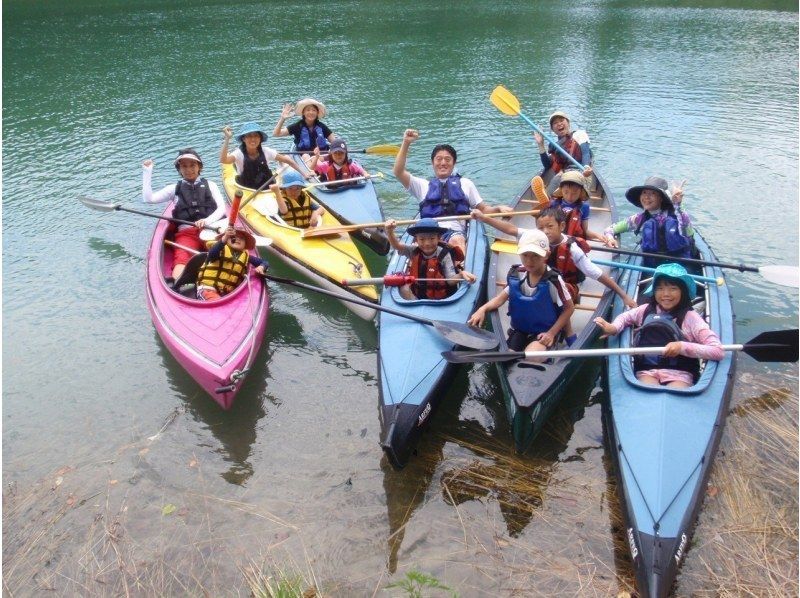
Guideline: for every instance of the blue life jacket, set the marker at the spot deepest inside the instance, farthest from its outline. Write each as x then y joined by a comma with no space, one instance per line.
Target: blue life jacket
658,330
536,313
662,235
255,171
444,198
193,201
305,139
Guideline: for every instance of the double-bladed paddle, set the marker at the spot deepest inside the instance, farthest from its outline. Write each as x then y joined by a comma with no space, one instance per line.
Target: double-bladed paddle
107,206
772,346
380,150
394,280
458,333
507,103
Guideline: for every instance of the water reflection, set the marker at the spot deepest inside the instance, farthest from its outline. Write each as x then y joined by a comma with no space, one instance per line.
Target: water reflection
112,251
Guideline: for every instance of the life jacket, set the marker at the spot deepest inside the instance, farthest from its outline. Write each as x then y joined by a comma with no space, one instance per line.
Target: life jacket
561,260
662,235
431,267
225,273
574,224
299,214
193,201
536,313
305,142
657,330
444,198
255,171
331,174
572,147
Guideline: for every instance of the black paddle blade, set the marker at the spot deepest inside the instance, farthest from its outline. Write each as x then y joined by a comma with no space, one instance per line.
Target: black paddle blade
96,204
481,356
776,345
465,335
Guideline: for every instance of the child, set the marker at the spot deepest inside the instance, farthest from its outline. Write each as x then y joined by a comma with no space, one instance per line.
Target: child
226,264
339,166
570,197
296,206
196,199
429,258
576,144
539,303
309,132
663,226
668,320
252,157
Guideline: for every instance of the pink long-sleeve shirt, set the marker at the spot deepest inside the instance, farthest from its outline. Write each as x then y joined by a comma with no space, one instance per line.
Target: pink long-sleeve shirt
702,343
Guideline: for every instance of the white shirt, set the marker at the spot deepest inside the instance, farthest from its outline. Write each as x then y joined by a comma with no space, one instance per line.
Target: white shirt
582,261
527,290
418,187
168,194
238,156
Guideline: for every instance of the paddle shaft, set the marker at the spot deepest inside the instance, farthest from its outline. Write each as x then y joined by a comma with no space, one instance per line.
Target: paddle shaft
391,281
683,260
555,144
167,218
624,266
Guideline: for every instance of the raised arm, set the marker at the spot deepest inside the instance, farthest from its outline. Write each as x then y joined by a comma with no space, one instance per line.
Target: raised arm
399,169
280,130
224,156
504,226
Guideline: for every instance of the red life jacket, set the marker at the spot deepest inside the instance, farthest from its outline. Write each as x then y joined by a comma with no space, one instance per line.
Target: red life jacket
422,267
331,173
574,224
572,147
561,260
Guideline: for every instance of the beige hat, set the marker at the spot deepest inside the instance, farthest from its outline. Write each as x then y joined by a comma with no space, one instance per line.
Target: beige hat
572,176
555,115
534,241
302,104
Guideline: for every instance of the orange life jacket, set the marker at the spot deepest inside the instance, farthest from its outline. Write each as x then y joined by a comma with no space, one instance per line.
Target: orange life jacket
423,267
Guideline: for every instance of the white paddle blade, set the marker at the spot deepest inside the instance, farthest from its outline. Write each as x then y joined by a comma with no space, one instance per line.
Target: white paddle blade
788,276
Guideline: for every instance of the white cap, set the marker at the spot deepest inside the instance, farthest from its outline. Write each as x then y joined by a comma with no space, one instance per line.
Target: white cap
534,241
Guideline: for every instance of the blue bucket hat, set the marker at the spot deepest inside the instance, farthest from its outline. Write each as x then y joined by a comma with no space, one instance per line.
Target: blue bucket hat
426,225
675,272
251,128
292,178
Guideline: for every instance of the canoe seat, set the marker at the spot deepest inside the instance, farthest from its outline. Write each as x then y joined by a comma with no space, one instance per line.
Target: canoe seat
186,283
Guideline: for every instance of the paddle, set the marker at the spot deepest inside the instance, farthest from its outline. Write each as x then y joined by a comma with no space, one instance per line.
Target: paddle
377,175
394,280
268,182
457,333
107,206
237,200
788,276
380,150
507,103
773,346
322,231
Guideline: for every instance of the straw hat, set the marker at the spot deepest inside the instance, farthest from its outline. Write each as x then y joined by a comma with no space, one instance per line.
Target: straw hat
249,240
572,176
302,104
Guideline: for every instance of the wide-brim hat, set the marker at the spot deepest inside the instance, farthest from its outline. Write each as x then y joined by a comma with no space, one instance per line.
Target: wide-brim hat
187,154
426,225
302,104
656,183
572,176
248,128
674,272
292,178
249,240
534,241
556,114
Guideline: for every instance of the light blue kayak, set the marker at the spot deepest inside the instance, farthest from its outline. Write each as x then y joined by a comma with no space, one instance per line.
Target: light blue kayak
664,442
413,375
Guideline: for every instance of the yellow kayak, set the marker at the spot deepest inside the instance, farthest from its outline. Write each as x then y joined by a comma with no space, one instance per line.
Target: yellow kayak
327,261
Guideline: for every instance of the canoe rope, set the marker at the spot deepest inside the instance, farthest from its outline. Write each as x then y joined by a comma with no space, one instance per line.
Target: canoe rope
236,375
357,268
657,522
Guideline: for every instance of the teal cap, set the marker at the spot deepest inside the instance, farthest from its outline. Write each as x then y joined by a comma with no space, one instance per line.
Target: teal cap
674,272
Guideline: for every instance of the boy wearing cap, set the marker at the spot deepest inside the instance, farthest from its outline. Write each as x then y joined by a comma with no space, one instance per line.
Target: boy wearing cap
226,264
429,258
294,203
308,132
196,199
446,194
339,167
576,143
251,159
539,302
663,226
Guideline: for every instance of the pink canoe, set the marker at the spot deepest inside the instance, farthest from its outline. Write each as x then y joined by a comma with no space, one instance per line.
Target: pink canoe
217,341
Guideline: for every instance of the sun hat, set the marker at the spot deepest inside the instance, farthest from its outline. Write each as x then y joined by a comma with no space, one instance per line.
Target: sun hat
187,153
572,176
556,114
674,272
534,241
338,145
251,128
249,240
302,104
426,225
292,178
656,183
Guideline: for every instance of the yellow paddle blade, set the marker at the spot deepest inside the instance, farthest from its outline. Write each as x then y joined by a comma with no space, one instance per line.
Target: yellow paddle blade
501,246
505,101
383,150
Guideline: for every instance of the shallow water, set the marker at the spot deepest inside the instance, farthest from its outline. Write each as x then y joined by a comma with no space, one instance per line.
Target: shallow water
293,474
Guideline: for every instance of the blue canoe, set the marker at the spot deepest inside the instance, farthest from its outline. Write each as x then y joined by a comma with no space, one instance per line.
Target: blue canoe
664,441
531,391
353,204
413,375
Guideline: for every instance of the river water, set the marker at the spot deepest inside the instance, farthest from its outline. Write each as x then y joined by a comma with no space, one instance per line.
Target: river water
291,479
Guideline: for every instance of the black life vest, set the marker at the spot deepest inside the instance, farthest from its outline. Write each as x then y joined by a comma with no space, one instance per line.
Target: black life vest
561,260
422,267
658,330
255,171
444,198
193,201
